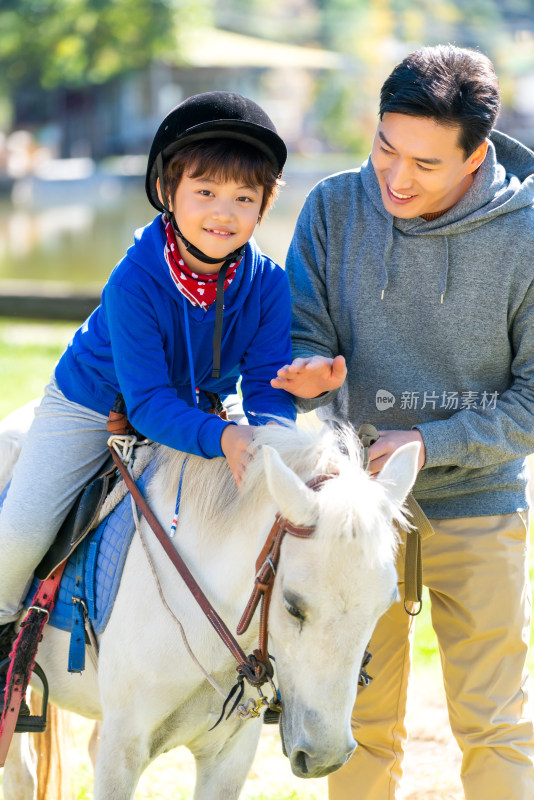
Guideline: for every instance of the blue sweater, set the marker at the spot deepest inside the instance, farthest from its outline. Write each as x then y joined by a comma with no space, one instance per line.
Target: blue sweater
135,343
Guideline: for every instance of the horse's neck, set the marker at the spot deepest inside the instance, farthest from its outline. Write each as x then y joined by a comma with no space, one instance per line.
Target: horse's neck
220,554
226,556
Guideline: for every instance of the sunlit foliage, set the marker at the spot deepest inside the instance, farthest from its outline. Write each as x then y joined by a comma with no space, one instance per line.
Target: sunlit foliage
78,42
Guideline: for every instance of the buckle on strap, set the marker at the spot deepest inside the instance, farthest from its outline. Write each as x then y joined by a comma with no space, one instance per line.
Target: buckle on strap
259,574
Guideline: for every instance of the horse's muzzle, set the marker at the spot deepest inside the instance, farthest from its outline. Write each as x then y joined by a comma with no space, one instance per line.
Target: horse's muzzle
306,764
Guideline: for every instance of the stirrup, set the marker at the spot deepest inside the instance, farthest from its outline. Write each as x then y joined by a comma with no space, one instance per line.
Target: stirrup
32,723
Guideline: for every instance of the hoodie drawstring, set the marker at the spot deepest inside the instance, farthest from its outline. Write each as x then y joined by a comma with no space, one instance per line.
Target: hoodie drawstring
190,355
445,270
388,244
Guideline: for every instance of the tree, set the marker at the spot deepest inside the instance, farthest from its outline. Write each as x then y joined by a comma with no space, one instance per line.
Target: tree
79,42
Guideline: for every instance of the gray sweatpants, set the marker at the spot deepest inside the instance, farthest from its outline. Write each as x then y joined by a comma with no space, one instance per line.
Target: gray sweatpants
65,447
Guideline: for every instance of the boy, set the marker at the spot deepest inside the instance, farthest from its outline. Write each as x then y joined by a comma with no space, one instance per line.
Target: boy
423,284
161,336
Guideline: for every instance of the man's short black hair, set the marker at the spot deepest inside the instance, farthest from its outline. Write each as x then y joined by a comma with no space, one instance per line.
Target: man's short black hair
452,85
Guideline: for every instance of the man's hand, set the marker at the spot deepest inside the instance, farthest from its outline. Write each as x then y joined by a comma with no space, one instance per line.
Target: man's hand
389,441
310,377
235,440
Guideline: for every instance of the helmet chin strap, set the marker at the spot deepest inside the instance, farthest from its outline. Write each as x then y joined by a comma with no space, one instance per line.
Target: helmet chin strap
235,255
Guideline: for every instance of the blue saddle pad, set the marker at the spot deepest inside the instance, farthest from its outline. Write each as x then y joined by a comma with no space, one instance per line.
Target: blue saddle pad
105,551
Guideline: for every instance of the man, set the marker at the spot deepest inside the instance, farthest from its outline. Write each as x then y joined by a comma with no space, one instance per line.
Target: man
414,278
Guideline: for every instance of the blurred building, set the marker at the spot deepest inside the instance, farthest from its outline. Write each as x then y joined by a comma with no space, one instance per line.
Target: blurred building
121,116
314,95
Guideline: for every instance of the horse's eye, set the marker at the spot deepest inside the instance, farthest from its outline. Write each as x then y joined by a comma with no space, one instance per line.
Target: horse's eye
293,609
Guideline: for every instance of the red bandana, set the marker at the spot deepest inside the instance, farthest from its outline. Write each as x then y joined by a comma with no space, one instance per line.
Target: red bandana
200,290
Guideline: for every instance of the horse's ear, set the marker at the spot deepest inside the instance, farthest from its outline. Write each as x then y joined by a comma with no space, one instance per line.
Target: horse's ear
400,471
296,501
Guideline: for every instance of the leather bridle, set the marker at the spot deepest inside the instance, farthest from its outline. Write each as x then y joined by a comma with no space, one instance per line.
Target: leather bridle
256,668
266,565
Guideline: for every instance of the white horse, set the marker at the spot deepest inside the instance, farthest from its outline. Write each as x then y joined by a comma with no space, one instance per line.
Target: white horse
13,429
330,590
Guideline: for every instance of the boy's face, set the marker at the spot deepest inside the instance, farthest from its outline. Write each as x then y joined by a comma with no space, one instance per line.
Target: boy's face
420,165
217,217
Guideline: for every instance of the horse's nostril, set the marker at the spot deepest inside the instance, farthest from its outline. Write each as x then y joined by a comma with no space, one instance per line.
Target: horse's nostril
299,762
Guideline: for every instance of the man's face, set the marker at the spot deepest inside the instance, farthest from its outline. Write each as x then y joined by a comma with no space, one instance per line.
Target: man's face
420,166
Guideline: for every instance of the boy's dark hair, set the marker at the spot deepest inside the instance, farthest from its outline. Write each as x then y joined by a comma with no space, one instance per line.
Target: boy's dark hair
223,160
452,85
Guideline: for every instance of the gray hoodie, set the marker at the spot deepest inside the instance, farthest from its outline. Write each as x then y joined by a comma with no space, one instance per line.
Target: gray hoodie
436,322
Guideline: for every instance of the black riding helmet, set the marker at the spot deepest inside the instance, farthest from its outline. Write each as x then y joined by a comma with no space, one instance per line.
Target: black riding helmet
211,115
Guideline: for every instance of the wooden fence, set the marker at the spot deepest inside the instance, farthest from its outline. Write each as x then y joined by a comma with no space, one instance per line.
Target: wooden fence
46,300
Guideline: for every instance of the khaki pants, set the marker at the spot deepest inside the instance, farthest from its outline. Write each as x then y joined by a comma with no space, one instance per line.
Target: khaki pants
477,576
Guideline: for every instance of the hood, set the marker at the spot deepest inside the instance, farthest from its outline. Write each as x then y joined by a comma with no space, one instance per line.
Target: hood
503,183
147,253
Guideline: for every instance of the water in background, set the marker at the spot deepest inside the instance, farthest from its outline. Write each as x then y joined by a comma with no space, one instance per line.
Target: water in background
76,230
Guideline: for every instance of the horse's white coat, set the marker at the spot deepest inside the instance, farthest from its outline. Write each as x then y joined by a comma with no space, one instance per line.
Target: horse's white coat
19,781
13,429
329,592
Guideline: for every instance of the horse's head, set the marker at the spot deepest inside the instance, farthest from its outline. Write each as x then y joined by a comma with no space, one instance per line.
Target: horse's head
329,592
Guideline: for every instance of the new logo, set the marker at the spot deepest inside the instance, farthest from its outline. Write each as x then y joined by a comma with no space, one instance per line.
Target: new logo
384,400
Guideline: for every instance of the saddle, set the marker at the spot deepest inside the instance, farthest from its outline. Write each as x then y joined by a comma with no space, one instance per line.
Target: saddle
93,545
78,593
80,519
86,509
72,565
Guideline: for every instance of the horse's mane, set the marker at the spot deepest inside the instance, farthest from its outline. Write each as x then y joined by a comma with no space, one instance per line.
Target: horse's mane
208,483
353,499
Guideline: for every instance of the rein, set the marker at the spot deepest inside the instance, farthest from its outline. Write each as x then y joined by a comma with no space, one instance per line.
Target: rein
255,668
253,671
420,528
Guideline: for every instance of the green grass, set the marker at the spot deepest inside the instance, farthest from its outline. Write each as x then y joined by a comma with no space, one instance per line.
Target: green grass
28,353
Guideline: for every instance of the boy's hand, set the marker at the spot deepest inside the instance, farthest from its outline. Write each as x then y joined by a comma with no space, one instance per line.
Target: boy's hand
389,441
310,377
235,440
